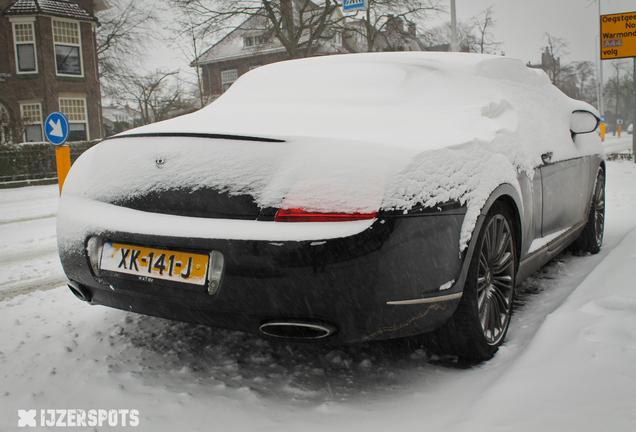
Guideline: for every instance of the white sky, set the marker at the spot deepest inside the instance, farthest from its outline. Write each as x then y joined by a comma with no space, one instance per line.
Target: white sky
521,24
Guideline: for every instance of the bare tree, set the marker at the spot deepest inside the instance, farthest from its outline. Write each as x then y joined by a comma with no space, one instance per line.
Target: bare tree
483,23
619,91
192,41
584,72
158,95
297,24
441,35
383,13
474,35
124,32
12,128
559,73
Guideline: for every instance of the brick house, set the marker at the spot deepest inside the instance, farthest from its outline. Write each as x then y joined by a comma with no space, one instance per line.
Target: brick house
48,62
251,45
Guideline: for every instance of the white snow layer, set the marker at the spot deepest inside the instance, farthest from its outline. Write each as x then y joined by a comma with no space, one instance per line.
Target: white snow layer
572,372
362,132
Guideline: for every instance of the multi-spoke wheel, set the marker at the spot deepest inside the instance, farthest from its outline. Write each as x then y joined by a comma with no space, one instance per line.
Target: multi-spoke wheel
479,325
591,238
495,279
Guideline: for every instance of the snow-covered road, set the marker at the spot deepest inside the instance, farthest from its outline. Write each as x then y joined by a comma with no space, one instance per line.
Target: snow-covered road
568,363
615,144
28,248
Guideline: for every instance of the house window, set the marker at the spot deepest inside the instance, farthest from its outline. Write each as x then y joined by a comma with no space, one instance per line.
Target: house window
32,118
228,77
68,48
250,41
360,36
25,47
337,38
75,112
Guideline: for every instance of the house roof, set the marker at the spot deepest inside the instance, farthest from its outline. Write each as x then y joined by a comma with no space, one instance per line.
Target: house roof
232,45
59,8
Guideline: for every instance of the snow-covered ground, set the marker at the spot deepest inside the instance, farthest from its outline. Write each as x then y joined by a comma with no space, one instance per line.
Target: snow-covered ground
28,249
568,363
616,144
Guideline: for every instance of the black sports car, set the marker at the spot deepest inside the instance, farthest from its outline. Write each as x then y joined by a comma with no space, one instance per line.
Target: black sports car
345,198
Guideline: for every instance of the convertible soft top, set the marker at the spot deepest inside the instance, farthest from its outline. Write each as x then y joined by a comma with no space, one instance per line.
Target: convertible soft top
420,101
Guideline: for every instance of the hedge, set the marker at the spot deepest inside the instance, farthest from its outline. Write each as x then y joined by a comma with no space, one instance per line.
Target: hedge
34,161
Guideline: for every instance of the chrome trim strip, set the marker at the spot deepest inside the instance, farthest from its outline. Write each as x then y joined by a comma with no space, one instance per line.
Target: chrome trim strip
558,240
426,300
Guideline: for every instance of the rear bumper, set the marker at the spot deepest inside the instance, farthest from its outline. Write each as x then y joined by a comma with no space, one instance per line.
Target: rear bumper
368,280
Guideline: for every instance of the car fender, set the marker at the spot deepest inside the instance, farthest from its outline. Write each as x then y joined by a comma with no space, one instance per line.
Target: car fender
506,191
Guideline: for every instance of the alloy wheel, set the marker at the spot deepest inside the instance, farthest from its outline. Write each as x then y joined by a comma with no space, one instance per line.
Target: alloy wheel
495,280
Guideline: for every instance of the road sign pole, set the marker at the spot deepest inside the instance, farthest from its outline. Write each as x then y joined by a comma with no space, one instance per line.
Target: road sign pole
63,159
603,121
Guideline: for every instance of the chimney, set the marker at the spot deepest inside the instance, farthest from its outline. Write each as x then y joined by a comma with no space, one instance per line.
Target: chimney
395,25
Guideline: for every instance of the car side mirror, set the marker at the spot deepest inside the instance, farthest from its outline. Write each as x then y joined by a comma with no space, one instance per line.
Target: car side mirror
582,122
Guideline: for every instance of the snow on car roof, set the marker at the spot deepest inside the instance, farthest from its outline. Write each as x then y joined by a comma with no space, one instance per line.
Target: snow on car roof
417,100
361,132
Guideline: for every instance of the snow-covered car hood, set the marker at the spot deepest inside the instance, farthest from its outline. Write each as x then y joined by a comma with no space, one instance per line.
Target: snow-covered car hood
359,133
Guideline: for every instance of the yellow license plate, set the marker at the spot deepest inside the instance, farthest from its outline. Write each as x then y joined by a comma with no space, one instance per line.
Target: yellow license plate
150,263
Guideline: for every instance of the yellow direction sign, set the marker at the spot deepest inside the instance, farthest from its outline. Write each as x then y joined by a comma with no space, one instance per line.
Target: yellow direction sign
618,36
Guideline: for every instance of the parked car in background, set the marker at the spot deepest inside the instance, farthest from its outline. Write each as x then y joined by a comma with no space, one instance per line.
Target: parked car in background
346,198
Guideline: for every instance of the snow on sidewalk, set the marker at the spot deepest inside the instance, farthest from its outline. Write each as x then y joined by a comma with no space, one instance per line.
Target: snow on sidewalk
579,371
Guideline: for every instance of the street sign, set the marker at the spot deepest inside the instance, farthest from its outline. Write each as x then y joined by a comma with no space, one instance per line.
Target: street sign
56,128
354,5
618,36
603,119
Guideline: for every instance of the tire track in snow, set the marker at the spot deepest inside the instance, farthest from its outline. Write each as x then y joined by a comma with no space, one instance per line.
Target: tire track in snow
27,218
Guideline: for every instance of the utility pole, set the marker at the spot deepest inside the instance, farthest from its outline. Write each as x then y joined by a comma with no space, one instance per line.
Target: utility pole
454,44
601,103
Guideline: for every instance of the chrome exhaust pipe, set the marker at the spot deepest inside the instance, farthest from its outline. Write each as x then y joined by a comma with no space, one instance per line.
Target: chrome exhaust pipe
79,291
297,330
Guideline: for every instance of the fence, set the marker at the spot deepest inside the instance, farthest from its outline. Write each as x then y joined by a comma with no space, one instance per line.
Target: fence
26,162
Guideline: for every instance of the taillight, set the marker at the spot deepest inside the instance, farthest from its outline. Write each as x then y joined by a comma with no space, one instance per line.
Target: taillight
299,215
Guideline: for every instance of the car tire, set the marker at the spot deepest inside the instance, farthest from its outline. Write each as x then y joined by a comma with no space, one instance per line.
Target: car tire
480,322
591,238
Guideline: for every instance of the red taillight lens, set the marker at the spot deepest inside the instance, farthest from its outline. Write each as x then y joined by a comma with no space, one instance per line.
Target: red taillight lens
299,215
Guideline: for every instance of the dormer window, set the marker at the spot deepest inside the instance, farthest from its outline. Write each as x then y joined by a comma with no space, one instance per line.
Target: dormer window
337,38
254,40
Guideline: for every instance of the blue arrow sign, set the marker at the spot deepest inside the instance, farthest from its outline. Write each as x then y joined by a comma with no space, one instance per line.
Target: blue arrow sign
56,128
354,5
603,119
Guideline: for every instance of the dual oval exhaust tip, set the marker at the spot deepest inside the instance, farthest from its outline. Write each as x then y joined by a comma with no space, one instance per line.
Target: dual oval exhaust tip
297,330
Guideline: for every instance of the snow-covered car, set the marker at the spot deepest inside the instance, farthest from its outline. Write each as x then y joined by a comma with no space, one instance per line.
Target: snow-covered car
345,198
